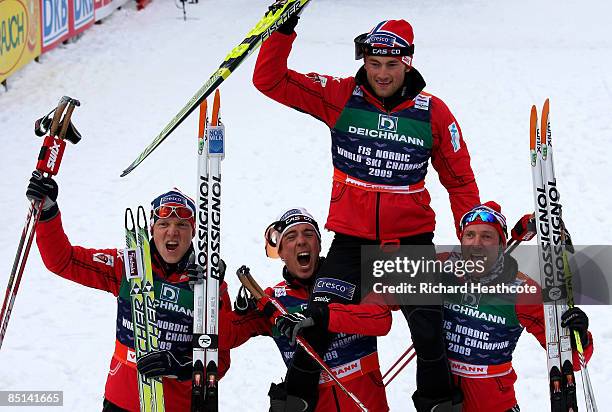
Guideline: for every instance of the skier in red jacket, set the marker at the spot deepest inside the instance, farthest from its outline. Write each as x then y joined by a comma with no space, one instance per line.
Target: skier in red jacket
482,330
172,228
352,356
384,131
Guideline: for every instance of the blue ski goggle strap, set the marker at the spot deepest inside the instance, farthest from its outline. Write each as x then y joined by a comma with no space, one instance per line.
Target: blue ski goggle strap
486,215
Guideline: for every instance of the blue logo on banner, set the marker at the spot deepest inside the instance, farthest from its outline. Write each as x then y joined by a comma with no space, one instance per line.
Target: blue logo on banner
83,12
55,20
336,287
216,140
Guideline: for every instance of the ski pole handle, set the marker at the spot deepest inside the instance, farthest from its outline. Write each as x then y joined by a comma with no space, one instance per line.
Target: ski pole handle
52,150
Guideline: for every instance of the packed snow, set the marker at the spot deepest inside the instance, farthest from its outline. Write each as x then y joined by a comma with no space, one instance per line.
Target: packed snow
489,61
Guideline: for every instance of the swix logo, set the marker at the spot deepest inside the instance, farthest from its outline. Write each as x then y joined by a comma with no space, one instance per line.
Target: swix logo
387,123
54,152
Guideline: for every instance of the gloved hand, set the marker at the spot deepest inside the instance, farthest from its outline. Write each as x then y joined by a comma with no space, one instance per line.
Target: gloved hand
525,228
575,319
291,324
288,27
244,302
196,272
43,189
164,363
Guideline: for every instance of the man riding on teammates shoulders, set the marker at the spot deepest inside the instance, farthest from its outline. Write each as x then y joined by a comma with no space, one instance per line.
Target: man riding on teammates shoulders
384,131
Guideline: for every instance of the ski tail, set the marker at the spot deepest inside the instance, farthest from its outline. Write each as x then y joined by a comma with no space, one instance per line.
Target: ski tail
279,13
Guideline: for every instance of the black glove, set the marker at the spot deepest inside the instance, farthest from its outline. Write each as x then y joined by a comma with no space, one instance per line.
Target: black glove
164,363
288,27
291,324
575,319
43,189
196,272
244,302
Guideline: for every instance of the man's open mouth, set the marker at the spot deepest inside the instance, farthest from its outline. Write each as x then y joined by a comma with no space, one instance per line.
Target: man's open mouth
171,245
303,258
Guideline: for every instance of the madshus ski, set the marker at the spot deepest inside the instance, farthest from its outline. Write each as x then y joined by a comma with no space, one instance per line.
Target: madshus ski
277,14
139,273
211,151
555,274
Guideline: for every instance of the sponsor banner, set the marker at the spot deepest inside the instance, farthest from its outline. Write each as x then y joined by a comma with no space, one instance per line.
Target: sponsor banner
103,8
19,34
63,19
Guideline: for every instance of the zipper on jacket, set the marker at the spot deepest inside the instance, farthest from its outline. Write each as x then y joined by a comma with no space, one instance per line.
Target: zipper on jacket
336,398
377,216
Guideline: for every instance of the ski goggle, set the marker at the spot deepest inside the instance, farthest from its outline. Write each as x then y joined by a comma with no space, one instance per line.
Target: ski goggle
362,47
485,215
166,211
275,231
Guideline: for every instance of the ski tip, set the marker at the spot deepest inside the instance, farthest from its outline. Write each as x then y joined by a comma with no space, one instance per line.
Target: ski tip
533,128
216,108
203,119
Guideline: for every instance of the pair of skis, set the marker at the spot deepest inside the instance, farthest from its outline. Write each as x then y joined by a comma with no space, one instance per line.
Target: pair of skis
211,151
278,13
60,129
139,274
555,273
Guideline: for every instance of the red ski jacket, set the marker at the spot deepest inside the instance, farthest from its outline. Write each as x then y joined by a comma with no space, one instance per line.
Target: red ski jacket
380,156
103,269
352,355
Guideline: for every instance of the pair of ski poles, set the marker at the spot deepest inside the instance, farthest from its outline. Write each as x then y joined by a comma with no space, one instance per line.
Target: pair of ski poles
60,130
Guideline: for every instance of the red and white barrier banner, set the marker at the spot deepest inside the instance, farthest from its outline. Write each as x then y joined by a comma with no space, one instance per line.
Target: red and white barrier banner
62,19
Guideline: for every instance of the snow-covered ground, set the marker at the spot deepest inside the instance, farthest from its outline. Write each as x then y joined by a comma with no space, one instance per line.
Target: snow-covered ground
490,61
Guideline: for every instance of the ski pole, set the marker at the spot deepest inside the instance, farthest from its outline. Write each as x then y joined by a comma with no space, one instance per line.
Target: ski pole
48,164
244,275
402,356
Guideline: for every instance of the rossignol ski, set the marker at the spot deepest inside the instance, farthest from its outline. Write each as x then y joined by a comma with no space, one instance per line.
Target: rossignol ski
60,130
277,14
554,271
211,151
139,274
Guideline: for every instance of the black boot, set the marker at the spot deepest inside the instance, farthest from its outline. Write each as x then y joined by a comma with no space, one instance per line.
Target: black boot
423,404
281,402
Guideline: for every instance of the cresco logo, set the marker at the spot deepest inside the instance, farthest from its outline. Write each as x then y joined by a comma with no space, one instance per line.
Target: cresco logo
13,30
